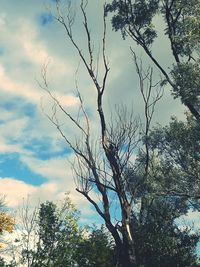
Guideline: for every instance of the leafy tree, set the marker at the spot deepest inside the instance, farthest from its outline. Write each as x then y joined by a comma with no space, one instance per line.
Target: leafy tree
159,242
62,243
170,190
96,250
177,167
158,239
135,19
58,235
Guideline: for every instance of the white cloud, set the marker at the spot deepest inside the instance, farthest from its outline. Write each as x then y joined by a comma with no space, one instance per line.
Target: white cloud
67,100
31,94
12,148
56,169
191,219
13,128
6,115
15,191
18,88
24,45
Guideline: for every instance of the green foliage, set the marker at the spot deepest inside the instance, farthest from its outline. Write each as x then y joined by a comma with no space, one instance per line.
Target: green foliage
135,16
62,243
159,242
186,76
176,148
170,190
96,250
186,32
58,236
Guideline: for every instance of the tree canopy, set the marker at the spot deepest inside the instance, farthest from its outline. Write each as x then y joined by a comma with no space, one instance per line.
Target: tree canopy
181,18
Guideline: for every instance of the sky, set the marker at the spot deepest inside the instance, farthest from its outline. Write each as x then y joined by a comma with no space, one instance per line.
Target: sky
34,159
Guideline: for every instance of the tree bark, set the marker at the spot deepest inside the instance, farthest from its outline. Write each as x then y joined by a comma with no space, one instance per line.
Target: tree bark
126,255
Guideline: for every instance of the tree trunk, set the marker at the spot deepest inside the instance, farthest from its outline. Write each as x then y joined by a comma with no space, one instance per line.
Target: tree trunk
126,256
125,250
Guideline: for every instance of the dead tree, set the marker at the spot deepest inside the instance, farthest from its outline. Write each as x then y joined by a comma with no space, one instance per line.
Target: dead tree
100,167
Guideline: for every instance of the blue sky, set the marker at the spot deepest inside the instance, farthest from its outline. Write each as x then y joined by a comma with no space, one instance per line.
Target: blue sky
33,157
34,160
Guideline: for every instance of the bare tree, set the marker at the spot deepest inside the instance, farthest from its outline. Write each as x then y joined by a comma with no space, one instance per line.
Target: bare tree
25,236
100,167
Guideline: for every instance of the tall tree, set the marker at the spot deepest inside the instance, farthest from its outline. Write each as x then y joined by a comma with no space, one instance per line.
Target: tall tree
101,169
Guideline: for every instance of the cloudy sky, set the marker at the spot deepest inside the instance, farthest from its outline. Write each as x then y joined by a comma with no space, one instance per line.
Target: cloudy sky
34,160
